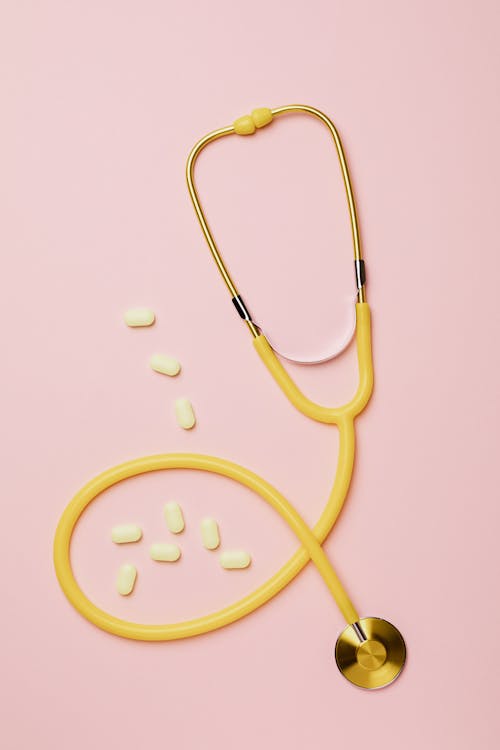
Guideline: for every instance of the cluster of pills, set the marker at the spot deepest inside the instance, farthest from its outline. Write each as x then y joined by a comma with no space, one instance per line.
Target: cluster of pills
235,559
129,533
140,317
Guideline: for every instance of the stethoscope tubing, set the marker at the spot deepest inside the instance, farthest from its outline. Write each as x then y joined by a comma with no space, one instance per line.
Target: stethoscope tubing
311,546
311,539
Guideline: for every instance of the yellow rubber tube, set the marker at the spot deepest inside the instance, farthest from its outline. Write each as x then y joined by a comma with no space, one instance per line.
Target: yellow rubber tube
319,413
311,539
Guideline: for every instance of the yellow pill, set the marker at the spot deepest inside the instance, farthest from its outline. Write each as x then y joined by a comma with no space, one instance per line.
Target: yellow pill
210,533
233,559
163,552
174,518
126,533
139,316
165,364
184,413
125,580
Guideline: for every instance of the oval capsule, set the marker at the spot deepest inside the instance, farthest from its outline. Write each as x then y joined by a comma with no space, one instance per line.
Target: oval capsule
234,559
139,316
174,518
165,365
184,413
210,533
164,552
125,580
126,533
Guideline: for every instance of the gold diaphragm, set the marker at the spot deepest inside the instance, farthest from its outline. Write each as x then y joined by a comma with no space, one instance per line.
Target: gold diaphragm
371,653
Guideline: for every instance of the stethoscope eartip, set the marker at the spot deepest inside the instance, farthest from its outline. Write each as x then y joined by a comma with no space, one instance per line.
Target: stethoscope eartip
370,653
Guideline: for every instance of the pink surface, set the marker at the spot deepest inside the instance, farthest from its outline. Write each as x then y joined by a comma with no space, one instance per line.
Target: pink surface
101,103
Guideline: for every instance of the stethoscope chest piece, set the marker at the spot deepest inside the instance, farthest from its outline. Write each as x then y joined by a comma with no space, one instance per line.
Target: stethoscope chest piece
371,653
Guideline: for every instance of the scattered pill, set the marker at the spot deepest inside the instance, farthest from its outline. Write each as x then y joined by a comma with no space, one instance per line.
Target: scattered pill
184,413
139,316
210,533
234,558
125,533
174,517
163,552
165,364
125,581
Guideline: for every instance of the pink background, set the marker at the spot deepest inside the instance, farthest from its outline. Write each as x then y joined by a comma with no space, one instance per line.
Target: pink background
101,104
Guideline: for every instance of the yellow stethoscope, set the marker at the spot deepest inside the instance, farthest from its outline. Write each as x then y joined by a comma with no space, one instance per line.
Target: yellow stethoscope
370,652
